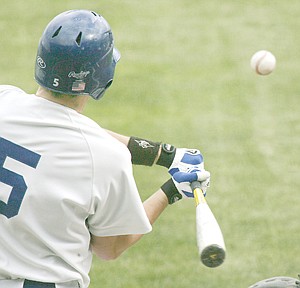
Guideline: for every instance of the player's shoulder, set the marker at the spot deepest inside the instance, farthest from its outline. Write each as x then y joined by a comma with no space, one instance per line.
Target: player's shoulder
111,143
118,148
94,133
9,88
104,146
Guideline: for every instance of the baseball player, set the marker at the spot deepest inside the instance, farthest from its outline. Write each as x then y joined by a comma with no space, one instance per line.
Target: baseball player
66,185
277,282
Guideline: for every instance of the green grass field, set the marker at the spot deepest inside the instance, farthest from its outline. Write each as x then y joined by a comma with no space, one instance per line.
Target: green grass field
184,78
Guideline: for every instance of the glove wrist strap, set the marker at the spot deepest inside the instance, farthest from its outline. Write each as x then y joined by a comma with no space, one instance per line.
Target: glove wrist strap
167,155
171,191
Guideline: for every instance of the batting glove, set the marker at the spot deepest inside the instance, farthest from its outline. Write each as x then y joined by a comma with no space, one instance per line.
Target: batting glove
184,159
170,157
179,186
183,181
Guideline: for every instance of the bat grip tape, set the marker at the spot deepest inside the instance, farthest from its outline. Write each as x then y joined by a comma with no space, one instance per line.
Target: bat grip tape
198,193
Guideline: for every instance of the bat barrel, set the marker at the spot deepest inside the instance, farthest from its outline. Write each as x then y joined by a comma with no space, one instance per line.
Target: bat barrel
213,256
210,240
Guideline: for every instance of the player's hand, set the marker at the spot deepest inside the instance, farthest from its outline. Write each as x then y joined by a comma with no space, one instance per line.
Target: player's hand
171,157
179,187
183,180
184,159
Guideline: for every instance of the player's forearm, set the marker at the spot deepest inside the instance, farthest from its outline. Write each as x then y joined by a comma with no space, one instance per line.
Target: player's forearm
155,205
143,155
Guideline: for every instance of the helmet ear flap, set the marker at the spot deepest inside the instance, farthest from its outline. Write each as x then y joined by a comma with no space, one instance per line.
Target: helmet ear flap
108,84
99,93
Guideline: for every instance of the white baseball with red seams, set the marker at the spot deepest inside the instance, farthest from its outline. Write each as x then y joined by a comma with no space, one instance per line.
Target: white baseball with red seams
263,62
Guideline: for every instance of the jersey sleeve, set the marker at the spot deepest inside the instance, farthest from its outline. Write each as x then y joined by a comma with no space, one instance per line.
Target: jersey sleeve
117,208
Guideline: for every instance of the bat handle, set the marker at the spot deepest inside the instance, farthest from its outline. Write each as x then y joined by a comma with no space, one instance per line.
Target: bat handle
195,185
198,193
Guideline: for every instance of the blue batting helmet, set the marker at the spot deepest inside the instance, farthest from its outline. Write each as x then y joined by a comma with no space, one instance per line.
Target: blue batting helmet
76,54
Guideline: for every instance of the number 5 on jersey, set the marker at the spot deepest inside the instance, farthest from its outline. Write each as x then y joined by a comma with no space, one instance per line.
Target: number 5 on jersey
16,181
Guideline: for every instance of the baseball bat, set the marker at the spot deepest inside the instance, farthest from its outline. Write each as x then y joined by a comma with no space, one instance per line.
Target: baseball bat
210,239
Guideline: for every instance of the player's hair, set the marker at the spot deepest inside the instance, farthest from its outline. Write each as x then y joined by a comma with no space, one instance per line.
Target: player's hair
60,95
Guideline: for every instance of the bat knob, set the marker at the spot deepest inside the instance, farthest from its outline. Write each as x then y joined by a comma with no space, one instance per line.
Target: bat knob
212,256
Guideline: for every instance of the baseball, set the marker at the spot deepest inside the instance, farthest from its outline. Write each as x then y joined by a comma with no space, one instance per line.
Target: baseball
263,62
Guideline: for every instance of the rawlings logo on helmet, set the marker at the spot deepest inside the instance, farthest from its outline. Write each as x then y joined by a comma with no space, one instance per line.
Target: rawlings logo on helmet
40,62
81,75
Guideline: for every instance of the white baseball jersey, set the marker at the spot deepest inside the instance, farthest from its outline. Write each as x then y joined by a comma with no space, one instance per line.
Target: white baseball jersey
62,177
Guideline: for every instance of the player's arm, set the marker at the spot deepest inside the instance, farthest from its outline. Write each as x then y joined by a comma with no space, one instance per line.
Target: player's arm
146,152
109,248
122,138
174,189
143,152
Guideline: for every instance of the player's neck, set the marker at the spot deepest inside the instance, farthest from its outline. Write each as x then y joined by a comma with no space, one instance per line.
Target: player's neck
77,103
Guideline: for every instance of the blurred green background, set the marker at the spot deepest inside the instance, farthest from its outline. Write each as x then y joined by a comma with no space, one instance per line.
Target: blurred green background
184,78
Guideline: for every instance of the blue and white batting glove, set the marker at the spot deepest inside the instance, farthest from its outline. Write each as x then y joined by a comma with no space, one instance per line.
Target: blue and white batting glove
183,180
184,159
170,156
179,186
